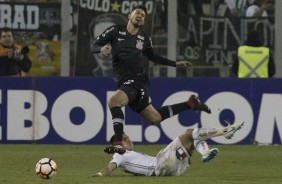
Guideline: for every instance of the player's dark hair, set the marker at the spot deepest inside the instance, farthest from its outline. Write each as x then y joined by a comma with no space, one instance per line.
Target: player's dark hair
140,7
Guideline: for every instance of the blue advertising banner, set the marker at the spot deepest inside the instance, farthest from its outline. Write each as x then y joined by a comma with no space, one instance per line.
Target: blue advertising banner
74,110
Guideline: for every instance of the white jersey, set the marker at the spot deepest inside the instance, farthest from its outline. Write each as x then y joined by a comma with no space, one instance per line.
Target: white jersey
135,163
170,161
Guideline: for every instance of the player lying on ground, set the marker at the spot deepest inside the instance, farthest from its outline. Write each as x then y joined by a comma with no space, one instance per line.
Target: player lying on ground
170,161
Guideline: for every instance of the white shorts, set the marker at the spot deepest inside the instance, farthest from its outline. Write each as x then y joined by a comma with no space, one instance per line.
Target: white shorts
173,160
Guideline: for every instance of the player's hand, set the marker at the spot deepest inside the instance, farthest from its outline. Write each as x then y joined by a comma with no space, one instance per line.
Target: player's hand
183,64
97,174
106,50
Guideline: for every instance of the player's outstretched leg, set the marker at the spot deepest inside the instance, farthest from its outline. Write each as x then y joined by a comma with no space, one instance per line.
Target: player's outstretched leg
200,135
202,147
195,104
207,133
210,155
232,129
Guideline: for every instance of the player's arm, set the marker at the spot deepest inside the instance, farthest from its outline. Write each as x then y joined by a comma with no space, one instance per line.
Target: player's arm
101,42
106,171
149,53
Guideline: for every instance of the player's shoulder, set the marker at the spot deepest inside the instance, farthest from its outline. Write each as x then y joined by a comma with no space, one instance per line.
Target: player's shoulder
143,36
143,33
120,27
114,28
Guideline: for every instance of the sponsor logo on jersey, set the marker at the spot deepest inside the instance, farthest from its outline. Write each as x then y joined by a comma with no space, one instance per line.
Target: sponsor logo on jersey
120,39
140,37
139,44
122,33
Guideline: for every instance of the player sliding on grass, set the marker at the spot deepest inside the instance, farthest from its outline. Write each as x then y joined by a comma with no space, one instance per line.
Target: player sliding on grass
128,44
170,161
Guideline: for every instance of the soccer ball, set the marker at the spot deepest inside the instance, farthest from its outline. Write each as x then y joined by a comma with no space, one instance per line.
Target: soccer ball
46,168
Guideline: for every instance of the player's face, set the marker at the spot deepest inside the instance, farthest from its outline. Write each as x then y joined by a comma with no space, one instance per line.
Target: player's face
7,39
126,142
137,17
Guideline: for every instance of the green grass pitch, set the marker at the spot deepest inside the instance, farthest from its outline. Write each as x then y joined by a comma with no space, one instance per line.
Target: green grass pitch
235,164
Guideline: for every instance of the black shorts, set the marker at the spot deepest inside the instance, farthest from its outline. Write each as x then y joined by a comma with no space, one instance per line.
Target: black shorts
136,92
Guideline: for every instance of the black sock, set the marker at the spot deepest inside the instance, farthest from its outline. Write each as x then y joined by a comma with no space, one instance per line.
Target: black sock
171,110
118,120
118,128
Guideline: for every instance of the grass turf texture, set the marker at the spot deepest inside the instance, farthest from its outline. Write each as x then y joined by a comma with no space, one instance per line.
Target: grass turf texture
234,165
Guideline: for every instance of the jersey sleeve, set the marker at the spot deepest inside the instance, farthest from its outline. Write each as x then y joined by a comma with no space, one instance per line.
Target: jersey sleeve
149,53
103,39
117,159
149,43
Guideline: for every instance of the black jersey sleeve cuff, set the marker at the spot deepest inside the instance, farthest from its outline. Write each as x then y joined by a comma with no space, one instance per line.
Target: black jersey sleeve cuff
158,59
94,47
163,61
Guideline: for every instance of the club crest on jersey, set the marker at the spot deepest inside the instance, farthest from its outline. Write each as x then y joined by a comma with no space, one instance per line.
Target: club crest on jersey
180,154
139,44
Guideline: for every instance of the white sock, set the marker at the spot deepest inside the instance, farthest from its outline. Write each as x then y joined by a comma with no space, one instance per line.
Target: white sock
206,133
201,146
